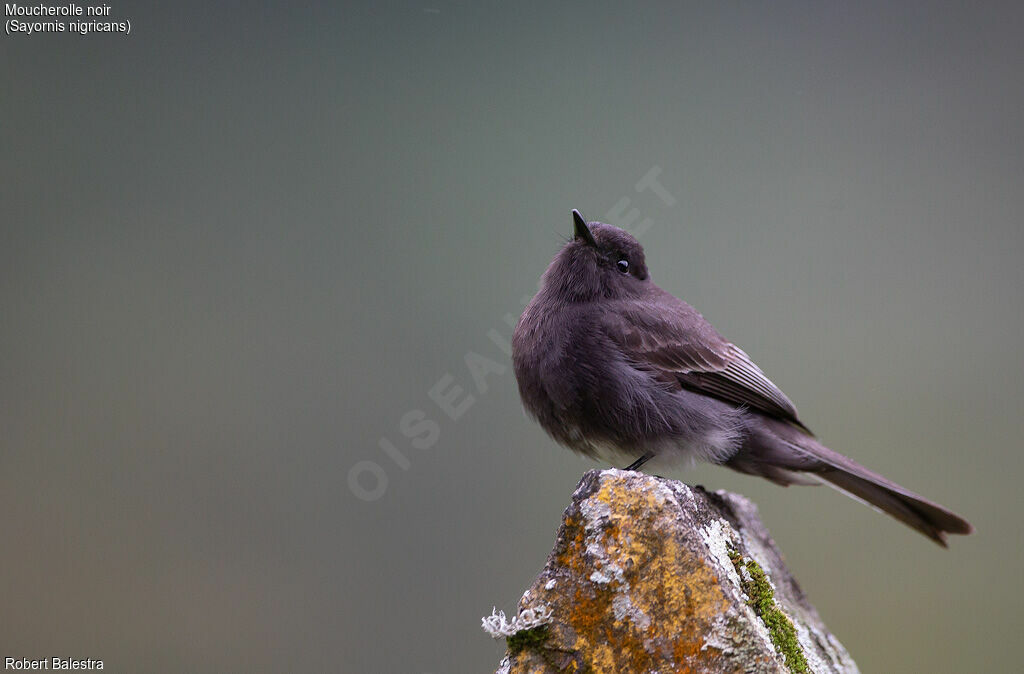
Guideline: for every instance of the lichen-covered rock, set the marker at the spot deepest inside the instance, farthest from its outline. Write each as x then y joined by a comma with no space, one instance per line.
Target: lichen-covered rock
651,575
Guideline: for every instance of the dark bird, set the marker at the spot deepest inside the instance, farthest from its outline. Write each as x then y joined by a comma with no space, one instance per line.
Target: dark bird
610,364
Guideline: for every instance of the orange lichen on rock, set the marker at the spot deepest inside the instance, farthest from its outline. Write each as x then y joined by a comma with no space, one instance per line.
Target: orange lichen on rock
640,581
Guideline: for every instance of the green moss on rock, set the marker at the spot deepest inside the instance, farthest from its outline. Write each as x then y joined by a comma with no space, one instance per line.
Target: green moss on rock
762,600
531,638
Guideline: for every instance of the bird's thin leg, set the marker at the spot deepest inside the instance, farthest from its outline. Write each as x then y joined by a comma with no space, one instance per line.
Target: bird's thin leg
639,462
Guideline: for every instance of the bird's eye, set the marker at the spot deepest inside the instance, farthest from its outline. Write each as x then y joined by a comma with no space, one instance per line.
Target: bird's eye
623,266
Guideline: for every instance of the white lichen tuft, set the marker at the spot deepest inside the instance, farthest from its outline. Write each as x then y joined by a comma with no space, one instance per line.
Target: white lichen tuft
499,627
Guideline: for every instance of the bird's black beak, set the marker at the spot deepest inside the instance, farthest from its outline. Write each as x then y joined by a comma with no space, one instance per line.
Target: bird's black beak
580,229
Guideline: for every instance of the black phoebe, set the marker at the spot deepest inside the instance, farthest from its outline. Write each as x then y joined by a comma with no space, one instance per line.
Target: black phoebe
610,363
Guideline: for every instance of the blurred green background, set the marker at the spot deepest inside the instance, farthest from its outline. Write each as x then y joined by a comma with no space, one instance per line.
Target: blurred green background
238,246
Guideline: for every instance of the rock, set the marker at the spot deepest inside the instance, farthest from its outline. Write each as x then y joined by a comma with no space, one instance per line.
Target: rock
651,575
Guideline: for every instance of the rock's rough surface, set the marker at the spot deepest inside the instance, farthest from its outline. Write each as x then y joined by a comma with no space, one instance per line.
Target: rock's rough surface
651,575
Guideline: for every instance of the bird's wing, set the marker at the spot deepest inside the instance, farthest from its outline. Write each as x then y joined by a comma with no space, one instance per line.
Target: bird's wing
669,338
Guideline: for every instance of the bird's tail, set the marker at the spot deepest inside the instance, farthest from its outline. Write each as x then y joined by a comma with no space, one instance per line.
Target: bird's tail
809,457
928,517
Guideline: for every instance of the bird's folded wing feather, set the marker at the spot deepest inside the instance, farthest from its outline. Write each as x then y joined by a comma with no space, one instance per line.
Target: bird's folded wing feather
674,341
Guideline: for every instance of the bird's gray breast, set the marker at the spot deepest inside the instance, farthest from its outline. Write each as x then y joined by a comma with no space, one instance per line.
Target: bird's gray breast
583,391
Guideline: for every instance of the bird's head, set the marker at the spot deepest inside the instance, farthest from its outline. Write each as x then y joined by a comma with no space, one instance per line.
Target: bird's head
600,261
